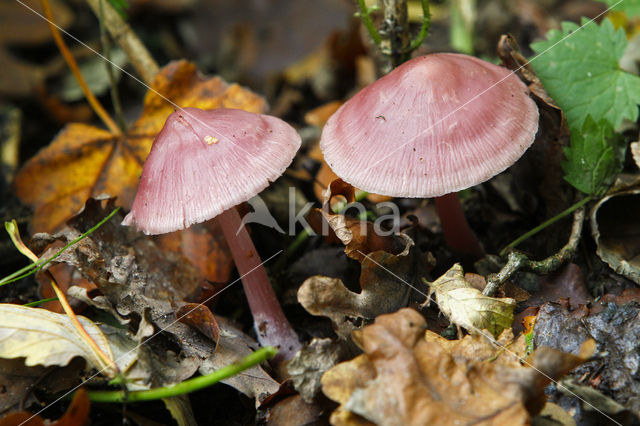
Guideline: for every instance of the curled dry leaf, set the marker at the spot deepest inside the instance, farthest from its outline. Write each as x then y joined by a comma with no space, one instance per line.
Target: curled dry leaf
409,376
383,280
467,307
85,161
200,317
360,237
47,338
615,227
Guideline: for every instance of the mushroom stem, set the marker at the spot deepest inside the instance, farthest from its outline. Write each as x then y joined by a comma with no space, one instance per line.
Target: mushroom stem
272,327
455,227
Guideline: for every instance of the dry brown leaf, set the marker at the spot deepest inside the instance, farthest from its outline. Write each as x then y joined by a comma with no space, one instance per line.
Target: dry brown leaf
85,161
383,282
467,307
407,378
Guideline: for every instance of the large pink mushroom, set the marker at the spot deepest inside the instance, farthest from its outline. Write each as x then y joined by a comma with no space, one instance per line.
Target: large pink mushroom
201,165
435,125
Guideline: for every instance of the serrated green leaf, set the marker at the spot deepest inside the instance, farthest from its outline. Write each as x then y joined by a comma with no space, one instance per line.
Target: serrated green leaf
631,7
579,68
594,157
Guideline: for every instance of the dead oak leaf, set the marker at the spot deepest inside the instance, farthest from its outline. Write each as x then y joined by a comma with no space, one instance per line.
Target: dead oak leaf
406,376
85,161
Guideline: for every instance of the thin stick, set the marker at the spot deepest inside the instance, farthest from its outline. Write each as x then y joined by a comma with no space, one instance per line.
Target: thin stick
138,55
519,261
106,47
95,104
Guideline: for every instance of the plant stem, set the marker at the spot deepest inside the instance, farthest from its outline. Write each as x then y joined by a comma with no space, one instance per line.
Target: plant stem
109,365
187,386
424,29
106,47
271,325
543,225
395,30
40,302
463,15
140,58
519,261
35,267
93,101
365,15
455,227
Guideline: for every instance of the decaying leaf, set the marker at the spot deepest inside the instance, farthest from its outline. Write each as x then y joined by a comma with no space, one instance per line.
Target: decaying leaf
409,376
635,152
383,280
141,281
616,330
200,317
615,228
467,307
47,338
309,363
85,161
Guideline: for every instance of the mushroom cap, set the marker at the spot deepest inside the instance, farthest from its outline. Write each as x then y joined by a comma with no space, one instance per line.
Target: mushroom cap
205,162
434,125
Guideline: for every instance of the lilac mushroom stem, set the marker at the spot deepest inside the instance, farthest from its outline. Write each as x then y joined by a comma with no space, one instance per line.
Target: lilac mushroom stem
456,229
272,327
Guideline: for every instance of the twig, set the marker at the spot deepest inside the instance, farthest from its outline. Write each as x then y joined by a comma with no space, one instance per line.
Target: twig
106,47
137,53
95,104
519,261
395,32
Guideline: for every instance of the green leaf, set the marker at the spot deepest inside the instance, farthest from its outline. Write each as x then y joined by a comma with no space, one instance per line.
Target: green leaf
594,157
631,7
579,68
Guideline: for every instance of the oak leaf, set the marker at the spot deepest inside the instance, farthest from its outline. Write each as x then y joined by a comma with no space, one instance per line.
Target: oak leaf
409,376
85,161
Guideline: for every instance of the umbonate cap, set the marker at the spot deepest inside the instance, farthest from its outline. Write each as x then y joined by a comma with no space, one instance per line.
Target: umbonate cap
436,124
205,162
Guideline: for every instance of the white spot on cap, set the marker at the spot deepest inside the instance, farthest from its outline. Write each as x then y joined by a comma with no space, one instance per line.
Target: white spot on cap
211,140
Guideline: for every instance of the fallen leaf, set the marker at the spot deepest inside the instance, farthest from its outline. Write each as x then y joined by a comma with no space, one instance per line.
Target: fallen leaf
409,376
309,363
200,317
467,307
85,161
383,282
615,228
77,414
46,338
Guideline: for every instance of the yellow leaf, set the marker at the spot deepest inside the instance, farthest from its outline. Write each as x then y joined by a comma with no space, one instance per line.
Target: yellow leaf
467,307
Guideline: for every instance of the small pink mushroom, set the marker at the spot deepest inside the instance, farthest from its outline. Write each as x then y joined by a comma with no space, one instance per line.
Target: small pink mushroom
435,125
201,165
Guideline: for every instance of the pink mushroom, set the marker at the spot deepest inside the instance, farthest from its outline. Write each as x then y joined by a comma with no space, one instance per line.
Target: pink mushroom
201,165
435,125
